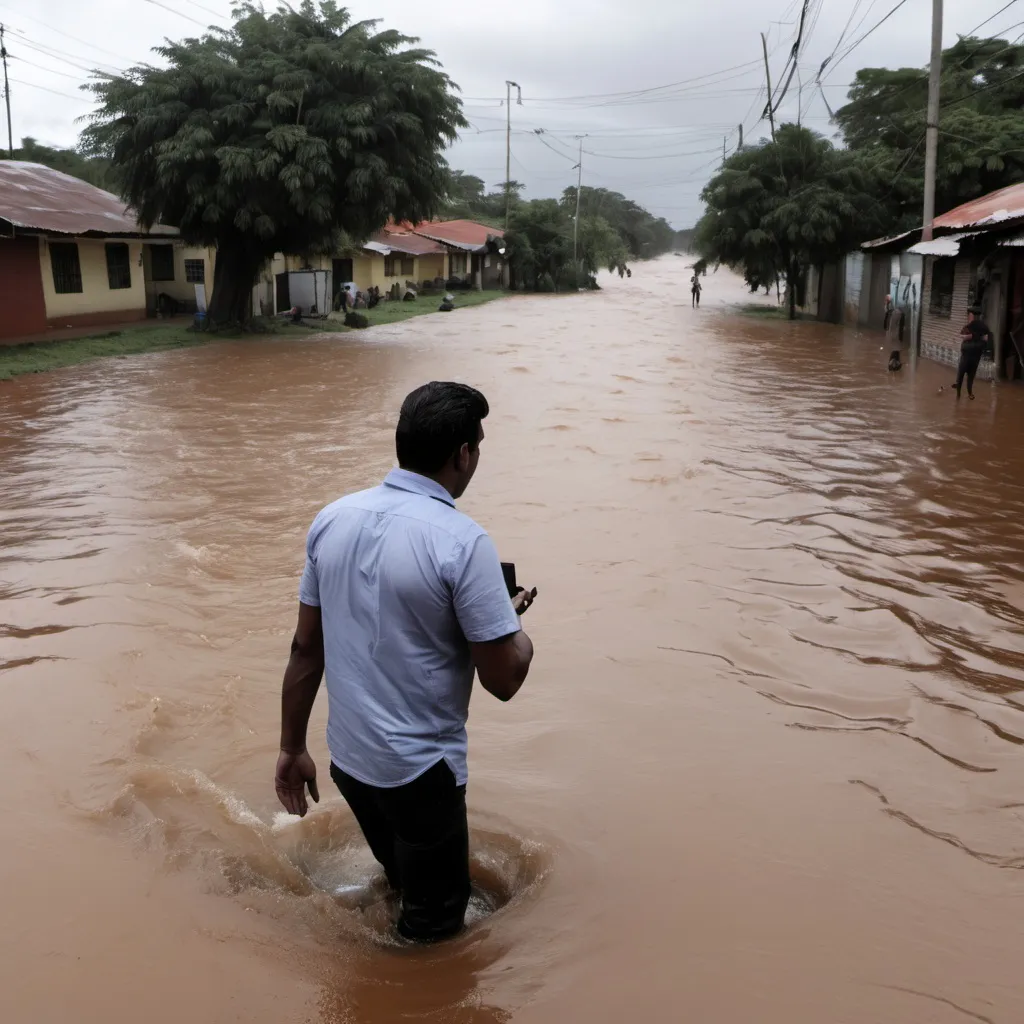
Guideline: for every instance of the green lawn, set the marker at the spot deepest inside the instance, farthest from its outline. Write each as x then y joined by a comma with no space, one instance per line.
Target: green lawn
394,312
136,339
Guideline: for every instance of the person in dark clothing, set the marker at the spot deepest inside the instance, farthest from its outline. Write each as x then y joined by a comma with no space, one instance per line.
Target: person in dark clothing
977,339
695,290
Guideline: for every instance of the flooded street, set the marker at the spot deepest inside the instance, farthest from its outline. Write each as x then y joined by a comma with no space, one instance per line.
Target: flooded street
767,766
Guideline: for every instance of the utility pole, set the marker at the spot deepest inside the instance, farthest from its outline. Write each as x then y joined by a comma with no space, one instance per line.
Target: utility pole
576,223
768,79
931,145
725,140
740,146
508,145
7,95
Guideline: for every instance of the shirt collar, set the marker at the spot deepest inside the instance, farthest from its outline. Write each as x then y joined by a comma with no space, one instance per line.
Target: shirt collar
416,483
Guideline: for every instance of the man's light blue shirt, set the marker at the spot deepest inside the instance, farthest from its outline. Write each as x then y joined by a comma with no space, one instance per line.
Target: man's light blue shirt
404,581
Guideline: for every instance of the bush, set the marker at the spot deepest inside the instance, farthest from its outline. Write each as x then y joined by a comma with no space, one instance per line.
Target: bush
545,283
356,320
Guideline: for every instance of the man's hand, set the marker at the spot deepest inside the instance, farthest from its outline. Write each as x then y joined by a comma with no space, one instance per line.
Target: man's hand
523,600
294,773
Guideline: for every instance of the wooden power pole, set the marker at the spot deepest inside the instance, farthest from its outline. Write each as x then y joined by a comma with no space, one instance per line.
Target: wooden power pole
768,79
508,145
7,95
931,145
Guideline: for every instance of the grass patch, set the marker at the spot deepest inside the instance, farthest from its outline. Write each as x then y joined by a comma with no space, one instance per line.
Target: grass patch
36,357
39,356
396,312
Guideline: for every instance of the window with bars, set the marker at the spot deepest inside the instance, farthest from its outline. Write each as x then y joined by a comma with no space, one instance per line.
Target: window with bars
195,271
119,265
162,262
943,277
457,263
67,271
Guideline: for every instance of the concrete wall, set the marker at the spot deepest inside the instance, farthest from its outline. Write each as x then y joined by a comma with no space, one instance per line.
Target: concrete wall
433,266
22,286
179,289
853,286
97,302
940,335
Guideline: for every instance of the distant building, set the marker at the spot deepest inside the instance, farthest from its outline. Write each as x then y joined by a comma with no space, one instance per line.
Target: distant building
71,255
428,254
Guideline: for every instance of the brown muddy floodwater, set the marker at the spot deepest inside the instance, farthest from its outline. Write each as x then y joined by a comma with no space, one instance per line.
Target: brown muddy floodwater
768,767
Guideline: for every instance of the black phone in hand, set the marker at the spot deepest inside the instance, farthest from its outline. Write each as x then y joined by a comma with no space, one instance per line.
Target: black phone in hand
508,570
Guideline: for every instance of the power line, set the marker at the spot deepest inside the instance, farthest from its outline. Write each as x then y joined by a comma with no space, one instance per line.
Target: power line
992,18
180,14
32,85
50,28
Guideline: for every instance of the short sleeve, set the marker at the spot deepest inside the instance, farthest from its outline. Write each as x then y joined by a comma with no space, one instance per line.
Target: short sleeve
309,586
482,604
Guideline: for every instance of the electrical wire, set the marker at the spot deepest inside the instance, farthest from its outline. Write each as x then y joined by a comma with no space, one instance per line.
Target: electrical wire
992,18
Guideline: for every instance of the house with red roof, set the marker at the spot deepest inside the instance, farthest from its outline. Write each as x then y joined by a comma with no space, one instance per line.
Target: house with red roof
431,254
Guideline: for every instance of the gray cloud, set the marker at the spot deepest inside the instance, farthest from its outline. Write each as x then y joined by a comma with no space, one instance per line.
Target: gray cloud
582,66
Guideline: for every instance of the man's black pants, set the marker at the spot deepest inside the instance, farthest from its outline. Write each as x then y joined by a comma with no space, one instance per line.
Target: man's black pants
970,358
419,834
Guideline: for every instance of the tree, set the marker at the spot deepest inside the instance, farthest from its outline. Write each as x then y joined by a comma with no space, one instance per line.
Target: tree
276,135
94,170
981,141
776,208
539,244
643,234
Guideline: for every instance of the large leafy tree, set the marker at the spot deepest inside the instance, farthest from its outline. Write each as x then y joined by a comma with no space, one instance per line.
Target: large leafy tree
776,208
981,140
277,135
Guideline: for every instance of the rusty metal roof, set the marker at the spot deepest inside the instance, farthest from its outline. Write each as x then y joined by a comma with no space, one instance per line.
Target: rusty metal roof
37,198
461,234
403,242
996,208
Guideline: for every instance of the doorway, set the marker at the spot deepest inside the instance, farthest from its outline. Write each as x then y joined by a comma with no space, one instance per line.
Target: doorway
342,274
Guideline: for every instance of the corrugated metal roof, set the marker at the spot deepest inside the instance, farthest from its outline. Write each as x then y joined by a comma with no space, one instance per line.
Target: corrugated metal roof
995,208
461,234
948,245
37,198
1013,242
404,242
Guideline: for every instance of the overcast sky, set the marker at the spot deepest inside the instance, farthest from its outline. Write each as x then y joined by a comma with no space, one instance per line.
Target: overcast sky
581,63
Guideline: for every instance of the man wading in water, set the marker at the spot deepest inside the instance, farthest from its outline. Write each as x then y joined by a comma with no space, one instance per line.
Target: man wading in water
402,597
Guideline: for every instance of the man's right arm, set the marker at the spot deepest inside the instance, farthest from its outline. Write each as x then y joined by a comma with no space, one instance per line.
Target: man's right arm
503,664
489,618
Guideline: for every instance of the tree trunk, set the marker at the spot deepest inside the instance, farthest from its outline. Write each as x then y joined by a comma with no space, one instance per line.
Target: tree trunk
791,283
234,276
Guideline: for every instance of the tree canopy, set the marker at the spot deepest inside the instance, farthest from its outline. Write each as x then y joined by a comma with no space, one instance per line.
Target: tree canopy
643,234
981,131
780,206
276,135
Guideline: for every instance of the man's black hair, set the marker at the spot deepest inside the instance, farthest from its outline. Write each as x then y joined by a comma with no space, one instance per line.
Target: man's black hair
436,420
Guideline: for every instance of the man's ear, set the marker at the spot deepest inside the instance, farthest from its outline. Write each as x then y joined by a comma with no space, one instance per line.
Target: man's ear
462,459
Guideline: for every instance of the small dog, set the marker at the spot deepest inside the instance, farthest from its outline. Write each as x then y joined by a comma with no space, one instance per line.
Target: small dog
894,360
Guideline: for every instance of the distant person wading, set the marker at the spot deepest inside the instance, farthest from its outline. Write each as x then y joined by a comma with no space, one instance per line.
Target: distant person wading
977,339
402,599
695,289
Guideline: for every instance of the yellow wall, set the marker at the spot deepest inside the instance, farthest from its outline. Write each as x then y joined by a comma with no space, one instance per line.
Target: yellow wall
179,288
431,267
96,295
